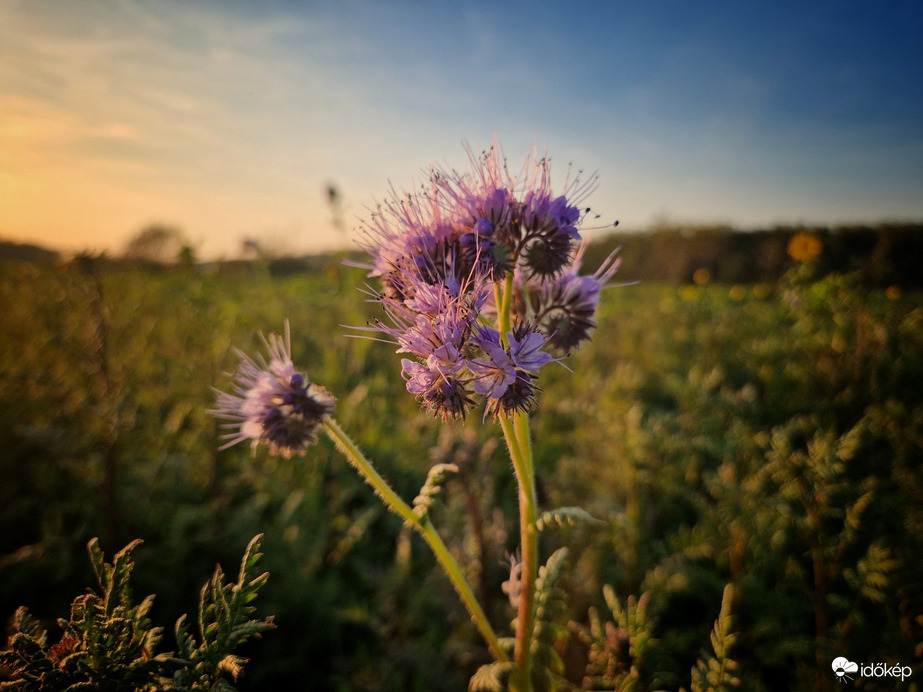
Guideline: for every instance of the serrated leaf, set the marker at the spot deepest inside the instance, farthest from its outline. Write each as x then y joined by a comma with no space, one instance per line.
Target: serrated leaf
232,665
24,623
716,672
251,556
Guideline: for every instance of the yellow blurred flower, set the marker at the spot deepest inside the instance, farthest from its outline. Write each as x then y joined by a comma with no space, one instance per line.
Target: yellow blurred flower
701,276
804,247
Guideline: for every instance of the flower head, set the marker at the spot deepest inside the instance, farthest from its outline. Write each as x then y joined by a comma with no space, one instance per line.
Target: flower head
506,375
494,373
442,254
272,403
564,307
550,231
443,394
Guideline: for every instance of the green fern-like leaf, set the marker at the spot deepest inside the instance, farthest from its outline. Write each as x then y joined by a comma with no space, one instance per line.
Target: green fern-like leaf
716,673
232,665
874,572
622,653
551,614
25,658
109,643
224,623
29,626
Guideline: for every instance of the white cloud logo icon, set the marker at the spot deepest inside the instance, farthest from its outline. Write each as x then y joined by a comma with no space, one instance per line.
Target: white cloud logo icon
841,666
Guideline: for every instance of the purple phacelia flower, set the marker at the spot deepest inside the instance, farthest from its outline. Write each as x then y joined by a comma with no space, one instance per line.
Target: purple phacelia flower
518,397
446,359
445,396
272,403
529,224
443,319
550,231
505,377
443,253
409,237
497,371
563,308
526,349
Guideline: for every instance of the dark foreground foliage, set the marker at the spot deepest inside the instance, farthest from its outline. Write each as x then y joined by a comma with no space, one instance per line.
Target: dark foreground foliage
764,435
110,643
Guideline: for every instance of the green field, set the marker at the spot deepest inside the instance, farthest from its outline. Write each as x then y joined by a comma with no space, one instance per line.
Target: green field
769,436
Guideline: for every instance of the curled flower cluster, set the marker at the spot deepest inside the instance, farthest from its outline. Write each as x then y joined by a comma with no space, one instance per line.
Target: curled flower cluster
272,403
564,306
443,256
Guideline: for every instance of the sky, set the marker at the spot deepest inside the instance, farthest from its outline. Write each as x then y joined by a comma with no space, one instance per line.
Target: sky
229,119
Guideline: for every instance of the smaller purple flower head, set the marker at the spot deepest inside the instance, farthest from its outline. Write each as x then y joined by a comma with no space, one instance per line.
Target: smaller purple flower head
486,195
443,394
272,403
565,306
484,227
518,397
551,231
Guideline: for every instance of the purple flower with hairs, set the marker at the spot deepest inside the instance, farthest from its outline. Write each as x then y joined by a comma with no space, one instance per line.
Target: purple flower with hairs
495,373
272,403
525,349
485,198
441,254
550,231
433,319
444,395
563,308
506,376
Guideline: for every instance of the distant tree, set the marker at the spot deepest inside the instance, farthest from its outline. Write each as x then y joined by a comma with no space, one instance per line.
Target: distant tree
160,243
26,252
186,257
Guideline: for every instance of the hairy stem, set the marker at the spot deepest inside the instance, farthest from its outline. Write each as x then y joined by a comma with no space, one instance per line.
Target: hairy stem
423,526
516,433
503,306
519,442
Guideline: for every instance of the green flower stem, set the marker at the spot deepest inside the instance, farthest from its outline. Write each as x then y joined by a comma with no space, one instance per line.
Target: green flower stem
524,437
423,526
516,432
503,306
519,442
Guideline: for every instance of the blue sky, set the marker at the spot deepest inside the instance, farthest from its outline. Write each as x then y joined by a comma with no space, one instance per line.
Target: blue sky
228,119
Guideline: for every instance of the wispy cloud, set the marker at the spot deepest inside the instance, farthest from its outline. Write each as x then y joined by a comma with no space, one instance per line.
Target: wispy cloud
229,118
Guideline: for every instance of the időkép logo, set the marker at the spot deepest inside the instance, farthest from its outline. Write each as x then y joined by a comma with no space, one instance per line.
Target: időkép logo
842,667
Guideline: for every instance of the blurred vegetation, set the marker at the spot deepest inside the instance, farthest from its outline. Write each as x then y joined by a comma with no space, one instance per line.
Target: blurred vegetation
763,433
880,254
